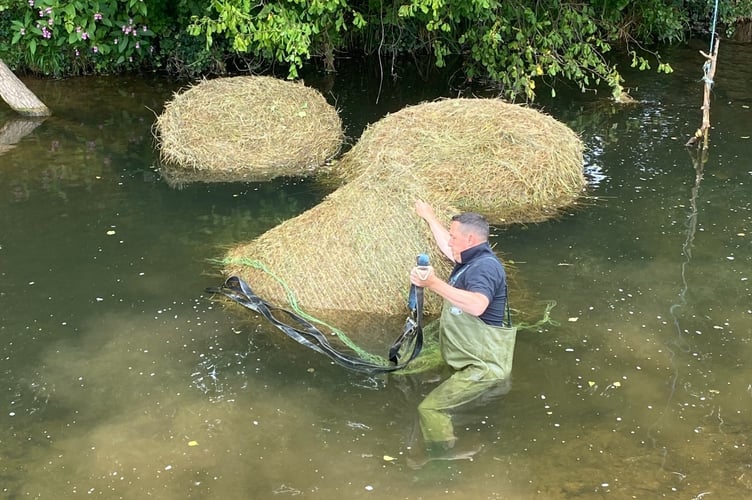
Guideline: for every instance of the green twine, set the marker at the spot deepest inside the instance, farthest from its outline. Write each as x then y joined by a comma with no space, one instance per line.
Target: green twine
430,356
545,320
293,301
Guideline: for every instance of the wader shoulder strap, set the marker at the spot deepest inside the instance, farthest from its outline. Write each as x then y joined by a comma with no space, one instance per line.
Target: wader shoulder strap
506,301
453,280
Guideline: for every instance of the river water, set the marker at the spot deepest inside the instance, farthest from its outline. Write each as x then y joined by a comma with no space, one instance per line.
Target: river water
119,378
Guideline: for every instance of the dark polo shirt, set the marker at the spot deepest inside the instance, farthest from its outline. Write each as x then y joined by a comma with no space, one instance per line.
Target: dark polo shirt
481,271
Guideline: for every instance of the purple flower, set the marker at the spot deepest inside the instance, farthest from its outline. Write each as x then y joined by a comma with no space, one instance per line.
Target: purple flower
95,49
98,16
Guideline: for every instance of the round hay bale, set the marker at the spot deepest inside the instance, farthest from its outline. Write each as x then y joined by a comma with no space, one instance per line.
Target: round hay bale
351,252
511,163
245,126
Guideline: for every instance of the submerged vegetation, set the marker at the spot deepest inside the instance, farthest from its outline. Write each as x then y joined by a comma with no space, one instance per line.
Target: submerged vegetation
518,46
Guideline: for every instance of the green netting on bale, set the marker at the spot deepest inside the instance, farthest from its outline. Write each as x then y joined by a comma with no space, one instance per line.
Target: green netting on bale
351,252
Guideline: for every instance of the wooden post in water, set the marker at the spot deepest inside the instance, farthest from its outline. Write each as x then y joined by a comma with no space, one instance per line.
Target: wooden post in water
709,74
18,96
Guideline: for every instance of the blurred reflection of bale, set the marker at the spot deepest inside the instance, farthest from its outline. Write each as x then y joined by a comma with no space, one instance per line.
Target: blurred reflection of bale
246,128
180,177
353,252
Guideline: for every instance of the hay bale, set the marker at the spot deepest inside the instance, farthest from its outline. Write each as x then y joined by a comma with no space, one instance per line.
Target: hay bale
248,127
353,252
509,162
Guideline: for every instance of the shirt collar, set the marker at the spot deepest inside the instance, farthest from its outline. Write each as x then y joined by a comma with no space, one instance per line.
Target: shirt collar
470,253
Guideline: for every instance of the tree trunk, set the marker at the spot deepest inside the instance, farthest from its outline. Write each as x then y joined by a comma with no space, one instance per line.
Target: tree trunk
743,31
18,96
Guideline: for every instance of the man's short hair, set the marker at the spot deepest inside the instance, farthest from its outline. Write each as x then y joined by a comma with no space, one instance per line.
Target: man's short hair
474,223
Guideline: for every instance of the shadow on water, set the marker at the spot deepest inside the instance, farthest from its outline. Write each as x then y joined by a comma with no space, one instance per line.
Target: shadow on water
121,378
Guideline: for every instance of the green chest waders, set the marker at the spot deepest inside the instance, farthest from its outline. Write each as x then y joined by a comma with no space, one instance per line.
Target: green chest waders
466,341
482,354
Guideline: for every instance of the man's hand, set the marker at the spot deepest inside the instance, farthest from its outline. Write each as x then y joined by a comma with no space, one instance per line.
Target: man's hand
422,276
474,303
440,233
424,210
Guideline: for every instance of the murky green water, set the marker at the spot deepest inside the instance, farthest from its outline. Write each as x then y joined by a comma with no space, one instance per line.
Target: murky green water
120,379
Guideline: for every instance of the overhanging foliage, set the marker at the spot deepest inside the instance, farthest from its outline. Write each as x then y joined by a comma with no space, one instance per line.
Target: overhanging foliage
519,46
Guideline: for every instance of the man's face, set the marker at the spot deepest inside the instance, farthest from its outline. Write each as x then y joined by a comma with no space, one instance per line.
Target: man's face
459,240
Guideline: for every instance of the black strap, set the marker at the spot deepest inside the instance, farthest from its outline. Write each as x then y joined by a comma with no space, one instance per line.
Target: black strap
506,301
308,335
414,322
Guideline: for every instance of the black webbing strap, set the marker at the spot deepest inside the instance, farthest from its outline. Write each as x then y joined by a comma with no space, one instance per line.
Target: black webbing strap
506,301
413,322
307,334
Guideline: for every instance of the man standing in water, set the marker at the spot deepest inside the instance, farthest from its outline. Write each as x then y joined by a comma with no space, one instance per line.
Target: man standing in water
473,339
